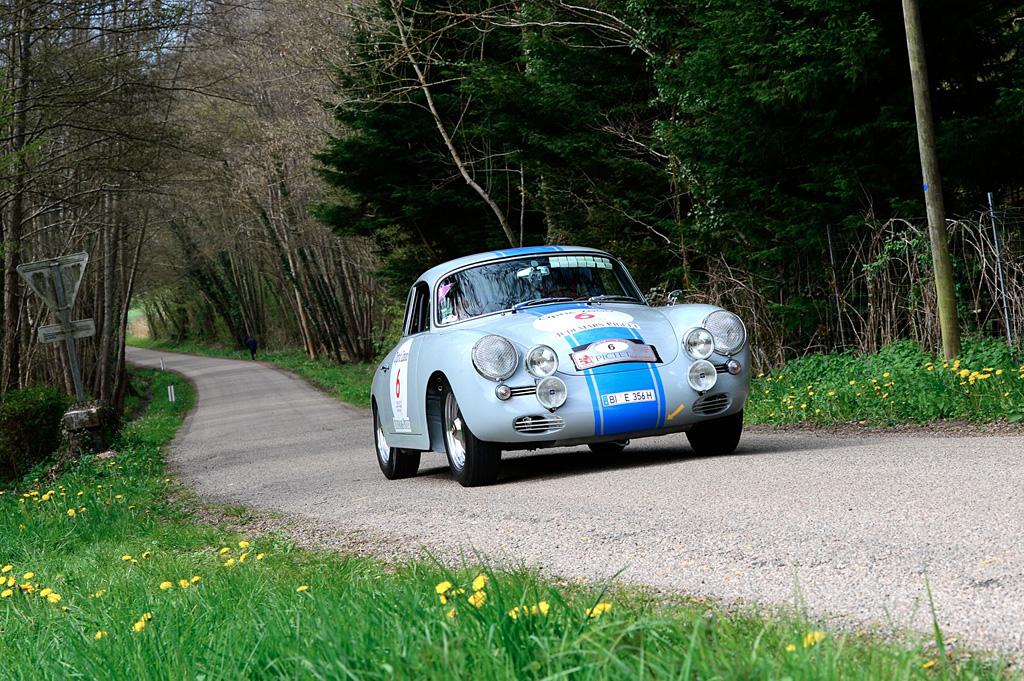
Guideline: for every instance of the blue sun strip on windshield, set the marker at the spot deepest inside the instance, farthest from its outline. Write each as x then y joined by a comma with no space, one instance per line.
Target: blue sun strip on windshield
512,252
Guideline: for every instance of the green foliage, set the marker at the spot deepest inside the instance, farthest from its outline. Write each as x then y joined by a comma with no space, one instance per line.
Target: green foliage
30,428
554,121
900,384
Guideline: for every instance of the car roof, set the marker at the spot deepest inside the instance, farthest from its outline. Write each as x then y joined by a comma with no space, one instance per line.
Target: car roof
435,273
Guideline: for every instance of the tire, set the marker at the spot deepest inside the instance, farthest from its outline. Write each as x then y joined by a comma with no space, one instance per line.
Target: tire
608,448
718,436
394,463
473,462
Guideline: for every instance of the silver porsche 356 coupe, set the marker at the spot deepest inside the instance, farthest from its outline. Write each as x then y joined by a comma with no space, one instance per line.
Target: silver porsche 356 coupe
551,346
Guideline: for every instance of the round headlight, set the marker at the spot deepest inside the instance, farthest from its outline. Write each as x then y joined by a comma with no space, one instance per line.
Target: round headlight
702,376
551,392
541,361
495,357
728,330
699,343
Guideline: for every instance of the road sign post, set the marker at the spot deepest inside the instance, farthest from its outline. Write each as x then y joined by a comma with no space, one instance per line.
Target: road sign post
56,281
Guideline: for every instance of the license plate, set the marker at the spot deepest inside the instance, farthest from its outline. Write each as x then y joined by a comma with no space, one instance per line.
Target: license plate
628,397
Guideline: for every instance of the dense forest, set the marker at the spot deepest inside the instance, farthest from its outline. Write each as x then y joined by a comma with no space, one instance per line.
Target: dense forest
285,169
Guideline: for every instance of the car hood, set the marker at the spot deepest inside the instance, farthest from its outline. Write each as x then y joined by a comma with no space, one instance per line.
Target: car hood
614,337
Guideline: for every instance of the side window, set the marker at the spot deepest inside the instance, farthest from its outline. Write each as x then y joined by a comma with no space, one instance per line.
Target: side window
417,311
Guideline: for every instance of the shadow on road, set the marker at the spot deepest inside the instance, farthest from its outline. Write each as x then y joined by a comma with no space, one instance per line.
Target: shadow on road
517,466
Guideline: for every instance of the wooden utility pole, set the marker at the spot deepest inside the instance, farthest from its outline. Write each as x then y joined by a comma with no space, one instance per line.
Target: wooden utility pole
944,288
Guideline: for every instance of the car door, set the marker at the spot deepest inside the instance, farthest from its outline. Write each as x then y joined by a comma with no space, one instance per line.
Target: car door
404,410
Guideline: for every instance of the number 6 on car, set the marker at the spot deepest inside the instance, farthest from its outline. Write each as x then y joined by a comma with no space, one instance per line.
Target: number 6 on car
551,346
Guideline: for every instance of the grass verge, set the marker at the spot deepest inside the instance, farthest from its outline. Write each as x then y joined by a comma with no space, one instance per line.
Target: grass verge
899,384
349,382
106,577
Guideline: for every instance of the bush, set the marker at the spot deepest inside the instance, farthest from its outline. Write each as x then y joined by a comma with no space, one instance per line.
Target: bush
30,425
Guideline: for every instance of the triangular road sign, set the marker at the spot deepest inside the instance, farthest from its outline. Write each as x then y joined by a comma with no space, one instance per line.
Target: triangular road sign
39,276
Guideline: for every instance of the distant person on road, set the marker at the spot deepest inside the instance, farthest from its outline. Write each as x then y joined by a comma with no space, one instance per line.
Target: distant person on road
251,343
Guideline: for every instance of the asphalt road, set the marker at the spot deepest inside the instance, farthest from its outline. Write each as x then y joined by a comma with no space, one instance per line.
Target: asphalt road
854,525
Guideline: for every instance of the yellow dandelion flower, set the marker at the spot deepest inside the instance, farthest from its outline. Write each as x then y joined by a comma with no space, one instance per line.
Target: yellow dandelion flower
53,598
831,393
443,587
224,550
139,626
451,614
71,513
183,583
514,613
164,586
196,579
928,665
259,556
126,557
6,569
45,592
146,555
480,582
478,599
243,544
28,575
598,609
541,608
853,382
999,372
229,562
6,593
444,599
302,588
99,634
813,638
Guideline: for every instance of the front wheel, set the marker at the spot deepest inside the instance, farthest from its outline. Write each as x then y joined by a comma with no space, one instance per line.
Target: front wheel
394,463
717,436
473,462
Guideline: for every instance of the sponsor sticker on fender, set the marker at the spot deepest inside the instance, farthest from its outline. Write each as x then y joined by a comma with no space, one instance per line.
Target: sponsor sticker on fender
567,322
399,381
613,351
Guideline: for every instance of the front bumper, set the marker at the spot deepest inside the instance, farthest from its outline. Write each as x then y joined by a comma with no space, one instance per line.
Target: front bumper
587,416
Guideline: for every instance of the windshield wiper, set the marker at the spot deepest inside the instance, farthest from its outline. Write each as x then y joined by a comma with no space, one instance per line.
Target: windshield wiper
607,299
539,301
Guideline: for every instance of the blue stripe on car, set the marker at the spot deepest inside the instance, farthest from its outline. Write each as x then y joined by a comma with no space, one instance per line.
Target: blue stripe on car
604,380
512,252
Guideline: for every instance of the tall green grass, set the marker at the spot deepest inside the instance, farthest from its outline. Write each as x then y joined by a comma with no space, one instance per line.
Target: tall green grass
899,384
107,577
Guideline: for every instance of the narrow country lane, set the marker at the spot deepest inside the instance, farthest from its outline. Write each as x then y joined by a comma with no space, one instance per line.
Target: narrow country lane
857,524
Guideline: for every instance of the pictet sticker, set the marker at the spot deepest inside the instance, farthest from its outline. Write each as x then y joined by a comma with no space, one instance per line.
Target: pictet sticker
568,322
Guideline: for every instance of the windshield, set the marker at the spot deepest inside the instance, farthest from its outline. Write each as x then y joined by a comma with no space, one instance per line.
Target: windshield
507,284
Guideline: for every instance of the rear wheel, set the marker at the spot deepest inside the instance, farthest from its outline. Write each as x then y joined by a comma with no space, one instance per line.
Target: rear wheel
608,448
717,436
394,463
473,462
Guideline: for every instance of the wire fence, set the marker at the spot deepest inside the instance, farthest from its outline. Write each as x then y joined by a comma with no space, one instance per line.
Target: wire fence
882,287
